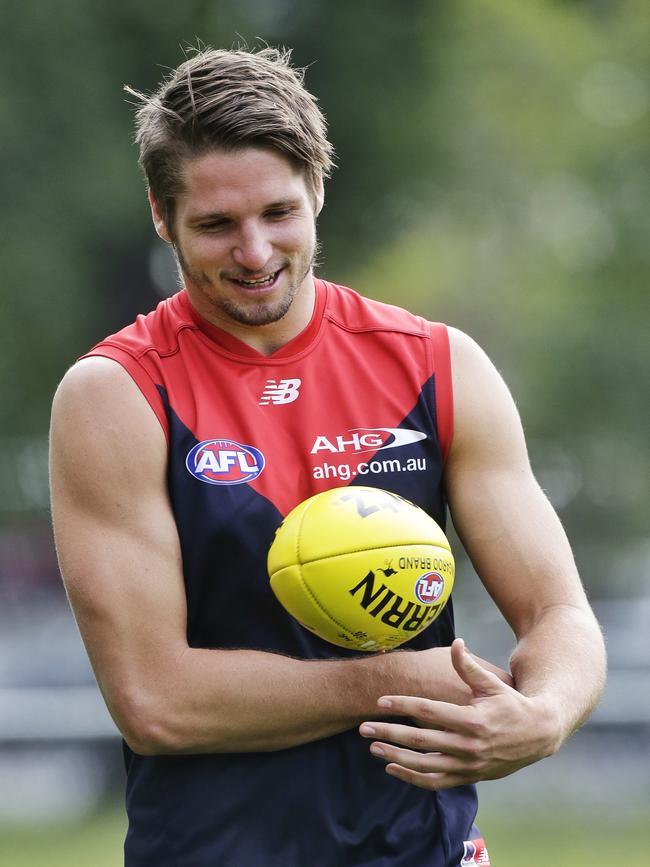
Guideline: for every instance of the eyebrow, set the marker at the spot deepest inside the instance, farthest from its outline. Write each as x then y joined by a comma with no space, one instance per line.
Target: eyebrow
217,216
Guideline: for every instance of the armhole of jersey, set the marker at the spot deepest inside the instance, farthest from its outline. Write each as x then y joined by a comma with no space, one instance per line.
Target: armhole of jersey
139,375
444,388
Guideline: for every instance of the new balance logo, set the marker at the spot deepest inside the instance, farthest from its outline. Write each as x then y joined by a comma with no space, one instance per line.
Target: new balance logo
284,391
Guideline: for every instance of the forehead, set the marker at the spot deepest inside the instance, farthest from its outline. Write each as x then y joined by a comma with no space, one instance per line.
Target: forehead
233,180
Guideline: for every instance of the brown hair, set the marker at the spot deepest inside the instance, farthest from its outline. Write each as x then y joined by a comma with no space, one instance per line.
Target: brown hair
228,99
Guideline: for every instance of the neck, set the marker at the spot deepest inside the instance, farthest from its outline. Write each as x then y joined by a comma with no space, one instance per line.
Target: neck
265,339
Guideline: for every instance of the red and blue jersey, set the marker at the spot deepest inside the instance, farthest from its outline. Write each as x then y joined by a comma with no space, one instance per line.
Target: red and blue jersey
361,396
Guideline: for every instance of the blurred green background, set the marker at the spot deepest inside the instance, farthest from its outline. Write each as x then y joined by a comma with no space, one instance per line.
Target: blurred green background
493,174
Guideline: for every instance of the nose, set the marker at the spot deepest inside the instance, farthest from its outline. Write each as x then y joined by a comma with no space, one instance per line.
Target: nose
253,249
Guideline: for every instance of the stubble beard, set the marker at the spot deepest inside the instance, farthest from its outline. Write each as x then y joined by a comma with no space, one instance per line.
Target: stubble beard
253,314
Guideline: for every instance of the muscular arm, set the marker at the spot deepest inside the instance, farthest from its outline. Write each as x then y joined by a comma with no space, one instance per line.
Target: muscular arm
520,551
120,557
519,548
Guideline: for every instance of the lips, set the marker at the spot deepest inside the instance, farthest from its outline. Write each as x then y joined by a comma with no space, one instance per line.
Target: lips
257,284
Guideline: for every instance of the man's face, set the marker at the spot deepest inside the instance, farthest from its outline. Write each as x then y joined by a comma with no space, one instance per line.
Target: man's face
245,236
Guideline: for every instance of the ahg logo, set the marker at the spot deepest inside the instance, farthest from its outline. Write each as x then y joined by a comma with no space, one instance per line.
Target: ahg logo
284,391
368,439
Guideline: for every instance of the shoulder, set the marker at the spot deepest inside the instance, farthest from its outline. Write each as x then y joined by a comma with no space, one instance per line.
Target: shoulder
155,331
99,404
485,414
104,441
141,349
91,381
474,374
354,312
470,363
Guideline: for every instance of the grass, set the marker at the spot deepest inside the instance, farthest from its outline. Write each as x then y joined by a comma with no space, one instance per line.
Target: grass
95,842
573,840
559,841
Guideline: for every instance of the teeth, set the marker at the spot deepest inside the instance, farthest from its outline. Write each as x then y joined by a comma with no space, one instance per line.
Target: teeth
268,279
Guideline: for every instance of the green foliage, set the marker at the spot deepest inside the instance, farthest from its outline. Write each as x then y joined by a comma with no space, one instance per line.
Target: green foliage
491,173
535,242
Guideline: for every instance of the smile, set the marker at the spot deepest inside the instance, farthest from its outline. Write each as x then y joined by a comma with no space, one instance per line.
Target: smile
259,283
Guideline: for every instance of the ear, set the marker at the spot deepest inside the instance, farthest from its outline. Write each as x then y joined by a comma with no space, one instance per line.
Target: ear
158,220
319,196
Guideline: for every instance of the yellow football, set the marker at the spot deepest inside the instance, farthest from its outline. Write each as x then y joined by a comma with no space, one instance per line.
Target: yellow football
361,567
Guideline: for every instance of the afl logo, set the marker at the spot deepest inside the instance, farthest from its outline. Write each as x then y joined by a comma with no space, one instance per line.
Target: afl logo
429,587
224,462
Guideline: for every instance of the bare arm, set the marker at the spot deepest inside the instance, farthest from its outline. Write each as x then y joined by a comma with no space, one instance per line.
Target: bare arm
120,557
519,548
521,553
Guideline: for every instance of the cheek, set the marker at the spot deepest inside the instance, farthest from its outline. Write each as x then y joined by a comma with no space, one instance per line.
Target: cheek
205,248
295,237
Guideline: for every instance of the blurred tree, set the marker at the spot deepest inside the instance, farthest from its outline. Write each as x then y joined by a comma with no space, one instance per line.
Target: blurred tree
536,243
492,173
76,237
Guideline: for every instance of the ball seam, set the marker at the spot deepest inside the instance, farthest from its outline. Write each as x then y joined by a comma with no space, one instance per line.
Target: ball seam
369,548
300,564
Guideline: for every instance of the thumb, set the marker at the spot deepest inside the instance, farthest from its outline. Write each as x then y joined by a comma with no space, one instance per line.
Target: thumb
478,679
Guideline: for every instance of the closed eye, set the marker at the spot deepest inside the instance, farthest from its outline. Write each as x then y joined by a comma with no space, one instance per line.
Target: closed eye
278,213
214,225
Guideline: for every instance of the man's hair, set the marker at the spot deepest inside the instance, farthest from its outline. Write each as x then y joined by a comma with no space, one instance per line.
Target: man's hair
219,99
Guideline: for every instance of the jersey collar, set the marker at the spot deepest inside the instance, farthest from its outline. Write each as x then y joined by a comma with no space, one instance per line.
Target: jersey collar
233,346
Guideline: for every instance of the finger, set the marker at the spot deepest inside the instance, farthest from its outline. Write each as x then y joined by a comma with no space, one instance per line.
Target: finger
434,782
480,680
433,714
427,740
425,763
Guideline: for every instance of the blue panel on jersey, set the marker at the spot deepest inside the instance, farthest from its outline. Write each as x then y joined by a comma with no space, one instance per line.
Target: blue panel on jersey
327,803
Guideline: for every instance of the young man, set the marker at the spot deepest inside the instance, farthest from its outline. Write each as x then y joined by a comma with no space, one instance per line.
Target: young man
244,733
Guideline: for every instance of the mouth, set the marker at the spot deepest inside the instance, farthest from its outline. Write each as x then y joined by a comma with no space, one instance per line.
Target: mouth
263,283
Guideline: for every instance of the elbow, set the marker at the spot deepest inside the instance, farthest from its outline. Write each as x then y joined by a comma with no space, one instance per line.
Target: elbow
149,725
150,739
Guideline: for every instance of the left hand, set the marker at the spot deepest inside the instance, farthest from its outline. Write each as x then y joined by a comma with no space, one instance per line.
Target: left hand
498,732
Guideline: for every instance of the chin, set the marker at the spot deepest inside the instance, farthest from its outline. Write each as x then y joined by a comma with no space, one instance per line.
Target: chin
257,314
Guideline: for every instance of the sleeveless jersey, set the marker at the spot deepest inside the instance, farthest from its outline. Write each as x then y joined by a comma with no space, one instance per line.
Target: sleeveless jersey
251,436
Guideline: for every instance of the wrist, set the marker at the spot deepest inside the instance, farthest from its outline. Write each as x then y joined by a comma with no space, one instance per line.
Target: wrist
554,728
425,673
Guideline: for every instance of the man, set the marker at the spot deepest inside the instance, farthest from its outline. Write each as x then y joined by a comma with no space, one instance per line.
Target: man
244,733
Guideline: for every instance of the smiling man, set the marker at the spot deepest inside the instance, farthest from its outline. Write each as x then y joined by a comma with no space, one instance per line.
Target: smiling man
244,233
205,422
